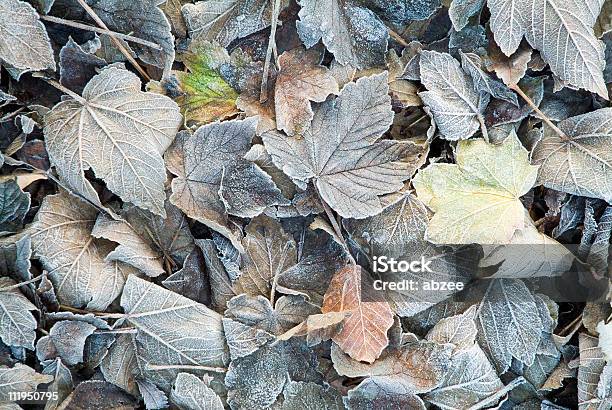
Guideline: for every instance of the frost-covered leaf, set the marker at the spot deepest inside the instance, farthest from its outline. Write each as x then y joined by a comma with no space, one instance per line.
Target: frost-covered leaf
300,80
220,282
242,339
460,330
17,324
364,333
310,396
317,328
77,66
146,241
590,374
191,393
372,395
561,31
204,95
214,179
122,365
152,397
171,328
14,204
483,82
117,131
226,20
191,281
24,44
455,103
401,222
413,367
269,251
66,340
15,257
62,383
349,168
61,239
580,161
20,378
509,302
510,69
470,379
472,197
98,394
461,10
140,18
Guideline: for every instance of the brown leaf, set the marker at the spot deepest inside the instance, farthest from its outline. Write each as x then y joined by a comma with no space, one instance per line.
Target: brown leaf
301,79
364,335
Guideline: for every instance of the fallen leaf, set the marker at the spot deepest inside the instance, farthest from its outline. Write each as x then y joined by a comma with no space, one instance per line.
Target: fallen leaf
470,198
364,333
114,125
191,393
17,324
575,41
20,378
349,168
579,162
26,44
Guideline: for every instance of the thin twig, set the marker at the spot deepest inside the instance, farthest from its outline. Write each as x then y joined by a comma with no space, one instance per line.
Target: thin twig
12,114
542,116
184,366
397,38
65,90
114,39
263,92
101,315
121,330
17,285
86,27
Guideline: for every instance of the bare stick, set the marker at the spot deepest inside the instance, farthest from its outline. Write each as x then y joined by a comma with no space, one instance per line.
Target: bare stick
184,366
397,37
27,282
542,116
86,27
263,92
65,90
114,39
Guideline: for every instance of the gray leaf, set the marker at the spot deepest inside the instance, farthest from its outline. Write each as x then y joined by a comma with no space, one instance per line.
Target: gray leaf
17,324
581,163
269,251
191,393
599,252
139,18
61,239
470,379
461,10
350,169
62,383
172,329
242,339
153,397
591,367
354,34
25,44
454,102
310,396
224,21
191,281
15,257
117,131
122,365
220,283
202,161
14,204
460,330
372,395
509,302
77,66
20,378
561,31
66,339
472,63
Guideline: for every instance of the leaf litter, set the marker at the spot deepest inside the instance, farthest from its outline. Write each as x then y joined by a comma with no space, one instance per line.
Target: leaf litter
195,197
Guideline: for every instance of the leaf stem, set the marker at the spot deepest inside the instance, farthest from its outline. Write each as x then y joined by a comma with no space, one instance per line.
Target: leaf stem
149,366
17,285
542,116
65,90
263,92
86,27
336,226
114,39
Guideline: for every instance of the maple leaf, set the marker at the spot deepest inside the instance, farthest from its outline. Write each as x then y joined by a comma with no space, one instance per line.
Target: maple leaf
349,168
471,197
117,131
